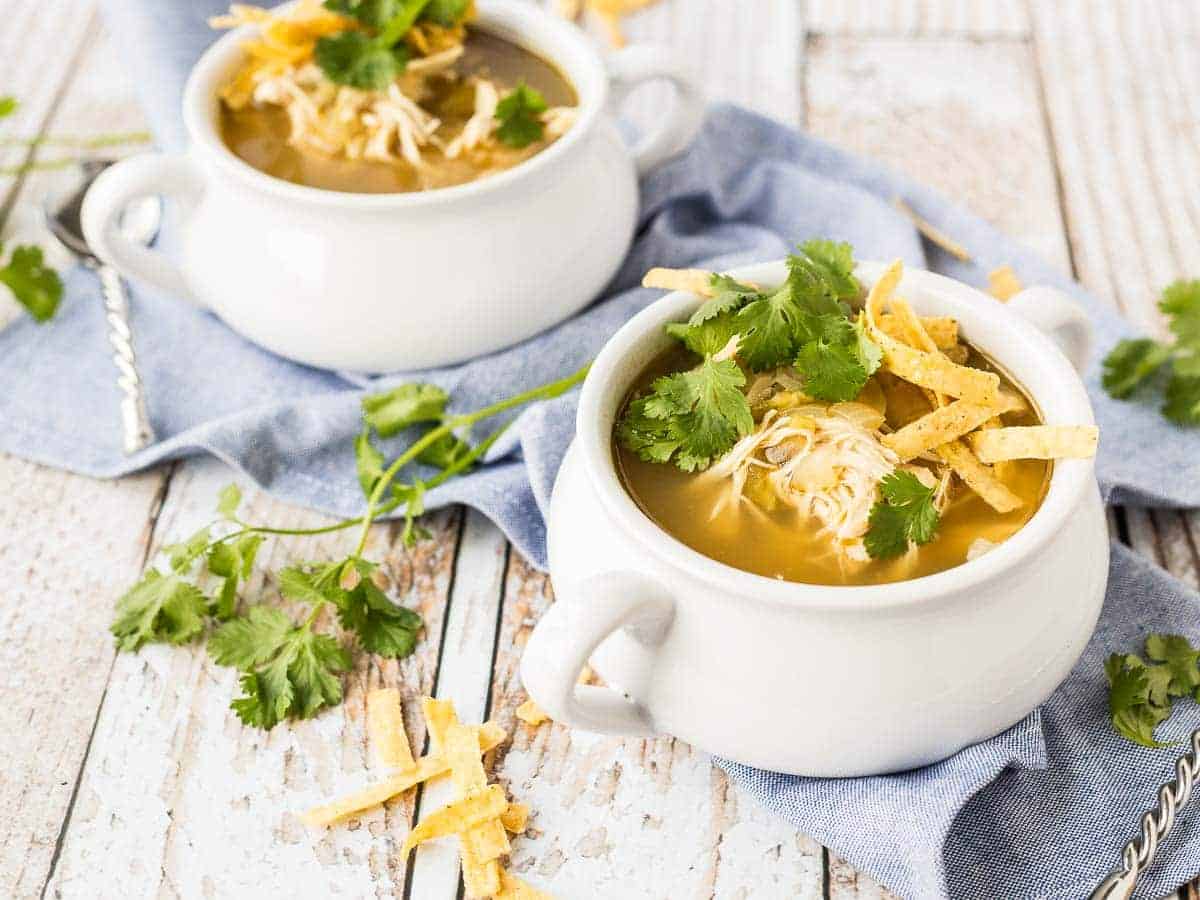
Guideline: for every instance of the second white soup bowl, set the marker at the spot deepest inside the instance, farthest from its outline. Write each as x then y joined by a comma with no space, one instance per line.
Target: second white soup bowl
377,282
815,680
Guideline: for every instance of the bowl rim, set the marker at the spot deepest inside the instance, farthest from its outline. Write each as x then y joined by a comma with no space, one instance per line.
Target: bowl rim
524,24
1060,394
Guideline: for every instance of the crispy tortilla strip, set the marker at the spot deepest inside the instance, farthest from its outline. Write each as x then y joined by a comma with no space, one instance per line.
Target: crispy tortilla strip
1003,283
427,767
694,281
941,426
480,879
439,715
978,477
488,840
1036,442
481,806
515,817
1010,402
513,888
531,714
934,235
942,329
385,729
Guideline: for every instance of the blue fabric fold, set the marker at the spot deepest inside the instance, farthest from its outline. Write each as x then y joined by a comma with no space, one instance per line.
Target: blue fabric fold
1039,811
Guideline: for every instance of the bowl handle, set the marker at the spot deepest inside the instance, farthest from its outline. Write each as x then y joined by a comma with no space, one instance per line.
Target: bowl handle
571,630
1061,318
631,67
122,184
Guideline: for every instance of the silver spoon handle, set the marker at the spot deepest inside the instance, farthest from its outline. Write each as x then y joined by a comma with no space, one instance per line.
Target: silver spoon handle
1156,825
134,420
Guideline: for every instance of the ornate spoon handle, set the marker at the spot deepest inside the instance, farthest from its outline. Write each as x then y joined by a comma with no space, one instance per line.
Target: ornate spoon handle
134,420
1156,825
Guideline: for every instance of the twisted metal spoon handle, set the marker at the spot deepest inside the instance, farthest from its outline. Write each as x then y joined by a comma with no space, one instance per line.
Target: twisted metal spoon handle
135,423
1156,825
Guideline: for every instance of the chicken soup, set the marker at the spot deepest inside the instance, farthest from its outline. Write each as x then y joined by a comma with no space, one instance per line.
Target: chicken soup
801,433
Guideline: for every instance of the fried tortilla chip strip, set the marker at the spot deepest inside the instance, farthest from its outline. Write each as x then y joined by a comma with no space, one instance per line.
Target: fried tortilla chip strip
482,844
942,329
513,888
948,423
978,477
531,714
934,235
1036,442
1003,283
385,729
694,281
515,817
479,807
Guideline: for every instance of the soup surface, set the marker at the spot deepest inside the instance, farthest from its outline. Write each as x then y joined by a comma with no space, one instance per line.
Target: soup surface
780,541
262,134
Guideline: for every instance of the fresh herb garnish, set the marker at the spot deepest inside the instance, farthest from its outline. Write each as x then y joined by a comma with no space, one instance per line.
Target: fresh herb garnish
805,323
904,513
372,55
1133,363
519,114
36,286
8,105
1140,693
290,670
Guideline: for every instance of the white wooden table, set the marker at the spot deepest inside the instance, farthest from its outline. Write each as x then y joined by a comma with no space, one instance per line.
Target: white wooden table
1073,126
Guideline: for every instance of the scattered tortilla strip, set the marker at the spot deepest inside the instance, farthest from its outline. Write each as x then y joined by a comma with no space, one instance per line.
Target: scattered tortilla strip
513,888
480,879
439,715
488,840
694,281
515,817
532,714
1010,402
427,767
1036,442
481,806
609,12
1003,283
941,426
978,477
385,729
934,235
942,329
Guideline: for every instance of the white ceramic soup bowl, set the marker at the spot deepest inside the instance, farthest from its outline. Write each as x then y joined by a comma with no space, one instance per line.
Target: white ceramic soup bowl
376,282
806,679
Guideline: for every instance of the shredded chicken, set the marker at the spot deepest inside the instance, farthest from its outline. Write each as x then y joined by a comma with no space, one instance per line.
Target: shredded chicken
482,122
826,462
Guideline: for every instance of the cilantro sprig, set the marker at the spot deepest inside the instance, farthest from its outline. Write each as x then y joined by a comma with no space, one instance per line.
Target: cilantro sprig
371,55
1135,364
691,418
904,514
35,285
1141,692
289,669
520,116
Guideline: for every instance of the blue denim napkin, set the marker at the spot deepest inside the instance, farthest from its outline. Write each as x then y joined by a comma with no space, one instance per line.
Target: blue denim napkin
1039,811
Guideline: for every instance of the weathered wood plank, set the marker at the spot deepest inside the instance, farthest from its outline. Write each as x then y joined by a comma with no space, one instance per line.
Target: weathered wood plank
911,18
67,542
630,818
178,798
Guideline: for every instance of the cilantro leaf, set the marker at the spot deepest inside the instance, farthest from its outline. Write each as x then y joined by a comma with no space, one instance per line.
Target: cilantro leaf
712,326
413,498
232,561
382,626
159,609
358,61
290,672
444,452
835,262
446,13
372,13
35,285
1182,398
1130,363
183,554
831,371
768,327
519,114
392,411
368,462
870,354
649,437
8,105
228,501
1179,659
1134,717
905,512
1181,302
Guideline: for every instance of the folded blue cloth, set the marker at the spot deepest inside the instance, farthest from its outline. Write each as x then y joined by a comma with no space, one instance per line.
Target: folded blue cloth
1039,811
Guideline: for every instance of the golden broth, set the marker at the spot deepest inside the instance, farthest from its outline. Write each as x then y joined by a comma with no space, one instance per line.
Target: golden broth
783,543
259,134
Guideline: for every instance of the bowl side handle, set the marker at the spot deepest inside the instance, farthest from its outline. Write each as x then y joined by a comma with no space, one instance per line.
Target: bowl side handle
1062,319
569,633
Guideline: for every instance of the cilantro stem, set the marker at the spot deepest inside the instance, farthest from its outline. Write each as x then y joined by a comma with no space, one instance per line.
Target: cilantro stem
544,392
